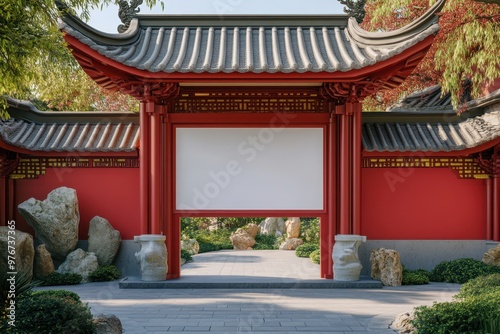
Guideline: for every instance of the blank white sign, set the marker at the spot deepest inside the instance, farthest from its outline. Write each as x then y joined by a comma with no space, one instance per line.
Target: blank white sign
249,168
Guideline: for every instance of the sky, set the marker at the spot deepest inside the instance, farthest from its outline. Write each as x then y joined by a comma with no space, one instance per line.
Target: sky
107,20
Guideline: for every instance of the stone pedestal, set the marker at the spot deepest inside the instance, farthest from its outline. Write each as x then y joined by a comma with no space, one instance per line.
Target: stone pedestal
152,257
346,264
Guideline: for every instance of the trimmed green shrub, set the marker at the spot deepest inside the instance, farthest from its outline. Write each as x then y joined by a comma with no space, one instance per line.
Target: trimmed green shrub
309,230
315,256
480,285
56,278
213,241
415,277
462,316
186,256
461,270
105,273
47,312
55,293
305,250
265,241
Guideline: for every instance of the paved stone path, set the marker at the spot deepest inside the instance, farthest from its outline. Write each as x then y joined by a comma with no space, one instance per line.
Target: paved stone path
258,310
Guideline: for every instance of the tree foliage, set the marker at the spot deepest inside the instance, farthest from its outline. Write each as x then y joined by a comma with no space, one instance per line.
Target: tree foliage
33,57
467,46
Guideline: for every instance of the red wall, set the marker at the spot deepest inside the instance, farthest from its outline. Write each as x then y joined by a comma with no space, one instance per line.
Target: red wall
112,193
422,203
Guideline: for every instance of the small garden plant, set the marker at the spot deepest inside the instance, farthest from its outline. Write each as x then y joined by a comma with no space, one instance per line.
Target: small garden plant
105,273
56,278
476,309
306,249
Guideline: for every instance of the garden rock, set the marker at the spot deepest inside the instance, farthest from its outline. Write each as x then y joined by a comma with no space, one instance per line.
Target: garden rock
293,227
79,262
104,240
403,324
272,225
55,220
291,244
43,264
252,229
191,246
386,266
492,256
24,251
107,324
241,240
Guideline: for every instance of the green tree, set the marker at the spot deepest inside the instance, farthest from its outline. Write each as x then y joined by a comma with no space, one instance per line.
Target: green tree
467,46
33,56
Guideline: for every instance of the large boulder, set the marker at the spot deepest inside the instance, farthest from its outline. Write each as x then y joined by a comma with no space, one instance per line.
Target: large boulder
43,264
273,226
492,256
55,220
190,245
242,240
291,244
252,229
292,227
107,324
19,245
79,262
104,240
386,266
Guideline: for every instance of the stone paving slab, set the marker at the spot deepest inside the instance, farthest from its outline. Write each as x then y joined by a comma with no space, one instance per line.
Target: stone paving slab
262,311
257,269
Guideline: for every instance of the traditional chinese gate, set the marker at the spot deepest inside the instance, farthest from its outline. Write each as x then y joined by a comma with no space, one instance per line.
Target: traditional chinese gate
223,102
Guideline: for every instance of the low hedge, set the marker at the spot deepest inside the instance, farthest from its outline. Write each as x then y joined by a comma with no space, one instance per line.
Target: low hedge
460,316
415,277
461,270
51,311
104,274
56,278
480,285
306,249
315,256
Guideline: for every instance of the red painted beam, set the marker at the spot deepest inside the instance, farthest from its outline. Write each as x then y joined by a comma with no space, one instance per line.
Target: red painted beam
144,168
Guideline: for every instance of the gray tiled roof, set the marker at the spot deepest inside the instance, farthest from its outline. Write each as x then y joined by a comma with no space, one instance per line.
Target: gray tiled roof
382,132
70,132
238,44
431,137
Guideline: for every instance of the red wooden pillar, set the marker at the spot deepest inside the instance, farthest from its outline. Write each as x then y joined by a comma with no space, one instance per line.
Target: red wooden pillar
345,171
496,207
4,202
355,108
489,208
144,168
171,222
329,223
155,184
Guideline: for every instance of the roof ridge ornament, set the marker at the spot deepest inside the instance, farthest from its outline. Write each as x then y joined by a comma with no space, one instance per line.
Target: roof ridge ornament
364,37
127,12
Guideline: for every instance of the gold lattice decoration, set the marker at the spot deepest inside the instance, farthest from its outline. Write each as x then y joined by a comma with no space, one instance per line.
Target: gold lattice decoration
466,168
32,168
251,102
